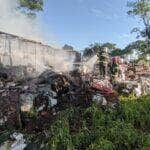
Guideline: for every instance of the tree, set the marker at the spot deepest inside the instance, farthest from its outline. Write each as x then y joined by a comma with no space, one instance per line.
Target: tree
141,9
67,47
139,46
110,46
94,48
31,6
91,50
117,52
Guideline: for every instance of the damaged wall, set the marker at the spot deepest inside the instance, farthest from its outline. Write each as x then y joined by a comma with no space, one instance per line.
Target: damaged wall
16,51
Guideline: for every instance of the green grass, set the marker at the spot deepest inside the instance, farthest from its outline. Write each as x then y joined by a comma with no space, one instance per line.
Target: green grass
125,128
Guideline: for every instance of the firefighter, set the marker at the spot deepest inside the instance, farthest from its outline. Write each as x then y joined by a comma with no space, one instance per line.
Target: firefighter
103,62
122,68
114,68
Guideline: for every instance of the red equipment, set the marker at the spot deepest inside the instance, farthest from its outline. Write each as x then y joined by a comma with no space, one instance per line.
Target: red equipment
108,93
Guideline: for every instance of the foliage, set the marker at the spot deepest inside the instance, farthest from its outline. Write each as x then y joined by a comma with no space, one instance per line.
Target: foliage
31,6
94,48
141,8
110,46
4,136
124,128
117,52
101,144
91,50
61,138
141,46
67,47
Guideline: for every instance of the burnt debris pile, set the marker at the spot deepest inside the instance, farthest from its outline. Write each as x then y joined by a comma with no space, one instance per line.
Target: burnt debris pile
33,103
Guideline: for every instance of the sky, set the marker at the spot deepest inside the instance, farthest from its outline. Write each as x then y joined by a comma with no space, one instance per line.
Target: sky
82,22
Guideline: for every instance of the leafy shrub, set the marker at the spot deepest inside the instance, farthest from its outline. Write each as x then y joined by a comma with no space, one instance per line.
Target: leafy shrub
101,144
94,128
60,136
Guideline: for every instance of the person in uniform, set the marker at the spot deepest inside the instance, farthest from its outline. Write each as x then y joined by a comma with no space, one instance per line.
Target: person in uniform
103,62
114,68
122,68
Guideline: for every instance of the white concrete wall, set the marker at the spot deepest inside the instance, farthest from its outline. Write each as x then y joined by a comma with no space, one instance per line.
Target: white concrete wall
18,51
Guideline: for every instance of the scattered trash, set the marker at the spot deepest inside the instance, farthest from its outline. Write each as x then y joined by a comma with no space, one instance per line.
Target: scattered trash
138,90
33,102
14,142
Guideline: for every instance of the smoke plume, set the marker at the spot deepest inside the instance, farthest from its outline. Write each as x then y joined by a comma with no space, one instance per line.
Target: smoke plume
14,22
89,65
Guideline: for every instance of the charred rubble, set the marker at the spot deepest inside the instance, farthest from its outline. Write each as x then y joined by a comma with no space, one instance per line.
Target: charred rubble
33,103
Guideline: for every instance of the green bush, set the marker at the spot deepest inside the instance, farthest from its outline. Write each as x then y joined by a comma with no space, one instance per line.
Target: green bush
94,128
60,136
101,144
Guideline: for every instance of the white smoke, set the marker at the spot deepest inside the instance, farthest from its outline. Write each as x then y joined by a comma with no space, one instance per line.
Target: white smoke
88,66
14,22
39,56
60,61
